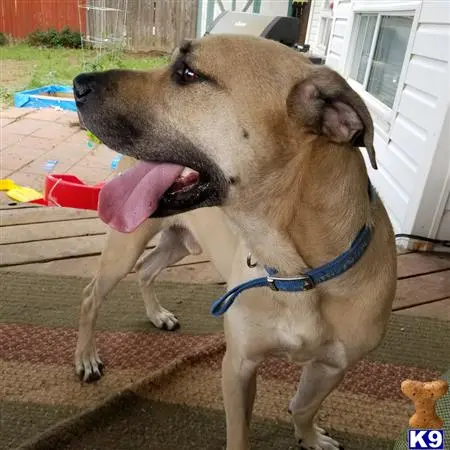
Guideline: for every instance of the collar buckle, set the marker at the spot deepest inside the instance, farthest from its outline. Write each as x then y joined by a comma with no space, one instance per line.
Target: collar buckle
308,282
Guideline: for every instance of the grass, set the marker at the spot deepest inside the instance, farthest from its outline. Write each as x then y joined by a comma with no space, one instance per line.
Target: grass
25,67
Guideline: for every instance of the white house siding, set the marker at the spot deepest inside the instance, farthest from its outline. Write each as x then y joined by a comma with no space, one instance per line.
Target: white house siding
340,35
312,33
410,159
439,177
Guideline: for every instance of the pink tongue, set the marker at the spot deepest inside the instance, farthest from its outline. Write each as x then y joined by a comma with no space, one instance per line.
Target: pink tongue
132,197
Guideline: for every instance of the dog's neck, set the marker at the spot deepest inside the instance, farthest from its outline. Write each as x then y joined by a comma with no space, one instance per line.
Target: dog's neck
308,213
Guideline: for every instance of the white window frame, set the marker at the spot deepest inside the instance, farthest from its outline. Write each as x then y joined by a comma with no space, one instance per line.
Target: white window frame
326,13
383,115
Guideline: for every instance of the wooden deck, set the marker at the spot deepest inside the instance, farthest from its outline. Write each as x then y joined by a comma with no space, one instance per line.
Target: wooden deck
68,242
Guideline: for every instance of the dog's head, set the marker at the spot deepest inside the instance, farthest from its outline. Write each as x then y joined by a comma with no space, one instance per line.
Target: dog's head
225,107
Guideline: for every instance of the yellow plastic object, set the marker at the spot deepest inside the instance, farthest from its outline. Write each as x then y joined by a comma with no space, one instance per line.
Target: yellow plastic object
7,184
23,194
18,193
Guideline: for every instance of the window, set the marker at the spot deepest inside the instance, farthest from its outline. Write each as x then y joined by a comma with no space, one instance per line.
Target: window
325,31
379,53
326,22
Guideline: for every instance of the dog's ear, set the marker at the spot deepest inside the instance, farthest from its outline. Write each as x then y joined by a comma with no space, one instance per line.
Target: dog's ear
326,104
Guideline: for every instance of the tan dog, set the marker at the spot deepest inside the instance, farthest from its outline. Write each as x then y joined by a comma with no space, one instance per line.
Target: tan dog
272,143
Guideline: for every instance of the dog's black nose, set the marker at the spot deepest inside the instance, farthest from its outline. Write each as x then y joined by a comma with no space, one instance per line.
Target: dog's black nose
83,85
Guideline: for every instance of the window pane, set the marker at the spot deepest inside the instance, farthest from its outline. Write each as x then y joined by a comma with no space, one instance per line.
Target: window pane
388,58
325,31
364,38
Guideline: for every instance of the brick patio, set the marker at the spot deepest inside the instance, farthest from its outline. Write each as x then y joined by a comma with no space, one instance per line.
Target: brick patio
30,138
62,241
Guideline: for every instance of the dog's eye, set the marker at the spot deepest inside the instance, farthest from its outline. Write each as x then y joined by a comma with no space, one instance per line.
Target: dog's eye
185,75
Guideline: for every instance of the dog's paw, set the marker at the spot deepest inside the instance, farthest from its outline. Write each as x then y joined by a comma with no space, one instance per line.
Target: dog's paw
89,369
163,319
318,439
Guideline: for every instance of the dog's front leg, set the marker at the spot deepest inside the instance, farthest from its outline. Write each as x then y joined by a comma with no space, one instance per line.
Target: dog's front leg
118,258
318,379
239,389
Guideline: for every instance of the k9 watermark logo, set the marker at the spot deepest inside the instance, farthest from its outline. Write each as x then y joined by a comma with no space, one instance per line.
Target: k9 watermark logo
426,439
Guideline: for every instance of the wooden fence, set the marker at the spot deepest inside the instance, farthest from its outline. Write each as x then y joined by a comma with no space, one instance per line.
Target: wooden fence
146,25
18,18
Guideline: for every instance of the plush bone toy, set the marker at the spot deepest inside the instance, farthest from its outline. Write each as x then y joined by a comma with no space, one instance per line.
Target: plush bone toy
424,397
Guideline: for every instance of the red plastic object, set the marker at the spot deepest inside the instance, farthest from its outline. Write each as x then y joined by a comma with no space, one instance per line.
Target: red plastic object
70,192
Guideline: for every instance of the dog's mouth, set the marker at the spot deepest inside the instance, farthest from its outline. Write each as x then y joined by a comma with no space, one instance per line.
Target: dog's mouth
189,190
185,182
154,189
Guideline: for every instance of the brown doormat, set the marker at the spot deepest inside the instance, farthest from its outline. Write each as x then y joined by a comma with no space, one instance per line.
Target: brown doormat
162,390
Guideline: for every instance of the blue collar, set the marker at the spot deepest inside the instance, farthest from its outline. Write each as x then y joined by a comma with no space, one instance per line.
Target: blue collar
309,279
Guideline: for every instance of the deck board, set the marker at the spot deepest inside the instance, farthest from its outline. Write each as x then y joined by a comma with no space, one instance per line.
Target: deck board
84,266
22,216
53,249
437,310
51,230
47,250
182,272
422,289
68,242
421,263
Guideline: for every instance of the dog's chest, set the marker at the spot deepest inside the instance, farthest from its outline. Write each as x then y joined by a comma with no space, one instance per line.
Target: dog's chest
264,322
297,341
275,330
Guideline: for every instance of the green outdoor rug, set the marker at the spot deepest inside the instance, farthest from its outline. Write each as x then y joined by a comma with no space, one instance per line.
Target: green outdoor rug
162,391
